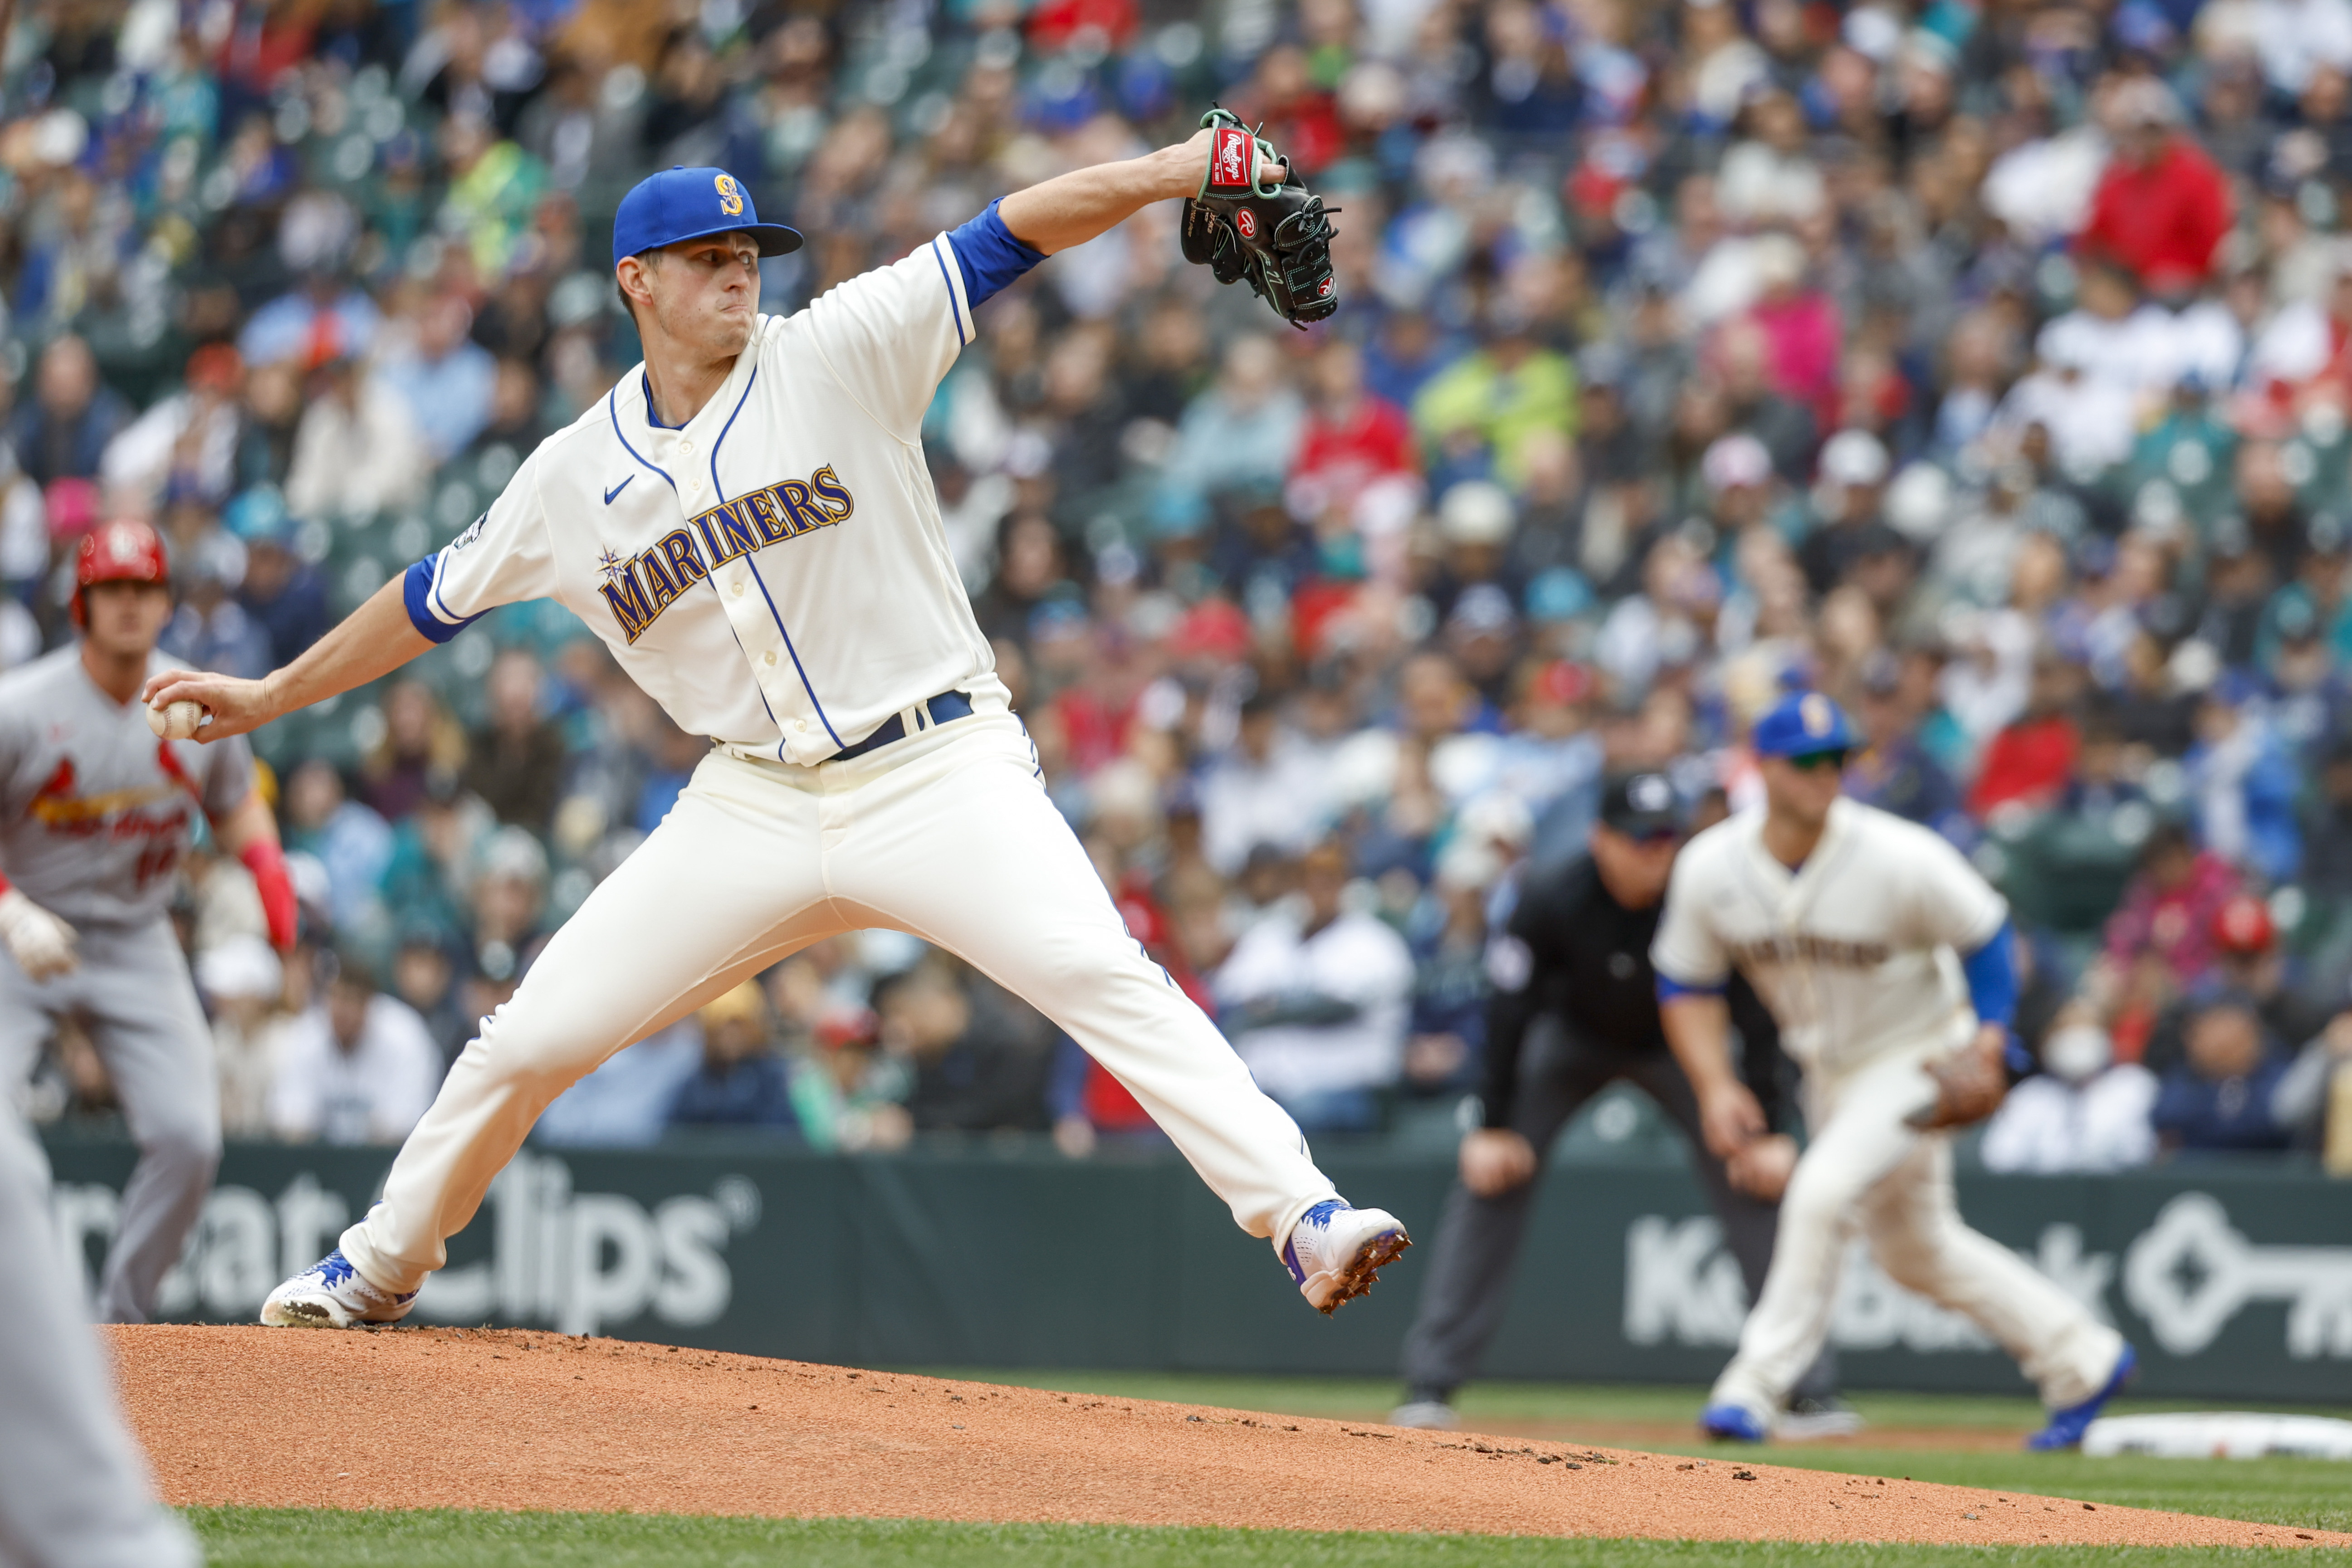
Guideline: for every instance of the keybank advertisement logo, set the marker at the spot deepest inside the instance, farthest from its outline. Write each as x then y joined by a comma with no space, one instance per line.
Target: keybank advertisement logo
578,1262
2188,1275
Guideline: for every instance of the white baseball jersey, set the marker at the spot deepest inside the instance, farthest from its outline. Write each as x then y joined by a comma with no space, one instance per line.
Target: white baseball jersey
775,573
1853,950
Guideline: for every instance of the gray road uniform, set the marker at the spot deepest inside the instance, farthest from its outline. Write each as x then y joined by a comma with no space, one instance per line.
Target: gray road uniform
94,813
74,1491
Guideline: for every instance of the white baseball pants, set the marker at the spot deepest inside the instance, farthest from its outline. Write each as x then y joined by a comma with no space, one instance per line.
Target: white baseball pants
947,834
1867,1166
132,988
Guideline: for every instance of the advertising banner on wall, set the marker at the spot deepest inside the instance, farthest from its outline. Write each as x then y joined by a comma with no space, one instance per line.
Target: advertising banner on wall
2235,1282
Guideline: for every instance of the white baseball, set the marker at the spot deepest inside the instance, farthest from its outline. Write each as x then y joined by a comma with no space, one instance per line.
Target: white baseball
177,722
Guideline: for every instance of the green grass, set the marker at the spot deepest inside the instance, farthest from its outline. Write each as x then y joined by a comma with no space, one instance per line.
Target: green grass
296,1537
2301,1493
1563,1404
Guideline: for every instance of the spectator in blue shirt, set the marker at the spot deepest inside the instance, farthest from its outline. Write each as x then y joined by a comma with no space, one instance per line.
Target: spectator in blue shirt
2219,1099
742,1082
446,378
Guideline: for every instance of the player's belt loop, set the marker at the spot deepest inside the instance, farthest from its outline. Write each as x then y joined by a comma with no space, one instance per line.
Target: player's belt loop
930,714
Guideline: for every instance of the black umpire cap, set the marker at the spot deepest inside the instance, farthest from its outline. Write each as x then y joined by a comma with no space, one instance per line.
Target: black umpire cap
1641,805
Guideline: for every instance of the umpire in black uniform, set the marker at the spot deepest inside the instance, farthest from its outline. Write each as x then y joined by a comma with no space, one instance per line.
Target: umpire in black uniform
1578,954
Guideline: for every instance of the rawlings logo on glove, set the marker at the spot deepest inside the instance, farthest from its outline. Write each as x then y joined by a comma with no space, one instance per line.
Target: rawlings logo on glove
1278,234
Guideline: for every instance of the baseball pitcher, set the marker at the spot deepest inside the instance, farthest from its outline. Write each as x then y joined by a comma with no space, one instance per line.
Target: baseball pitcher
747,521
1887,960
95,810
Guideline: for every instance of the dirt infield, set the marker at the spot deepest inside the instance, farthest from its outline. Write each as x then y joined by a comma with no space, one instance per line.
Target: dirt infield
472,1418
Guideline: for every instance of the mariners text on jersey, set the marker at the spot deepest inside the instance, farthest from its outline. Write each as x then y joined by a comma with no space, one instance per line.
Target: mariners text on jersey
640,589
774,571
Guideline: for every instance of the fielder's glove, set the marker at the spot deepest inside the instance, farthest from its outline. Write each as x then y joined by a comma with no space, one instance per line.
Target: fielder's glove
42,944
1278,234
1970,1084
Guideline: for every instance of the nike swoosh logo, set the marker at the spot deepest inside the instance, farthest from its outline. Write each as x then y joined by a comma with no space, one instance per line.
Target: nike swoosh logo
616,490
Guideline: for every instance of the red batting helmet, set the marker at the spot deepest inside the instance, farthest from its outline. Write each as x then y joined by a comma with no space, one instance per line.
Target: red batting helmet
126,551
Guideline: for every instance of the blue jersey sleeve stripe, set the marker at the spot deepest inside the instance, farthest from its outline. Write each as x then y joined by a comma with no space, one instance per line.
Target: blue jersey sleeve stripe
1670,989
962,341
989,257
784,632
422,598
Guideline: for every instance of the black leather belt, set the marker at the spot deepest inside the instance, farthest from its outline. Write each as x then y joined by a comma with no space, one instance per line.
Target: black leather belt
938,710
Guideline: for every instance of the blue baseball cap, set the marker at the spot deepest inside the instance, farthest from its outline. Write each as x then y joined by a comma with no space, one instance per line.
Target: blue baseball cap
680,203
1802,726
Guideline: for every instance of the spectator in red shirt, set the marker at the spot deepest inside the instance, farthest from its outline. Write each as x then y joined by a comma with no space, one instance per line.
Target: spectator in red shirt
1352,440
2162,206
2168,910
2032,759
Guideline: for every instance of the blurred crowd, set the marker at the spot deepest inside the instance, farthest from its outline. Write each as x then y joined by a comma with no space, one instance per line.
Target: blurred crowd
1983,364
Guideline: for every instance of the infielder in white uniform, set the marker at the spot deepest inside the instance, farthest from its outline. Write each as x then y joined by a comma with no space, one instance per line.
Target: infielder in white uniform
1885,957
748,522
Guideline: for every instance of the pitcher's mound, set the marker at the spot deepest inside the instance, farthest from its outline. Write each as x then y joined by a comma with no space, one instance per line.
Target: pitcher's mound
509,1419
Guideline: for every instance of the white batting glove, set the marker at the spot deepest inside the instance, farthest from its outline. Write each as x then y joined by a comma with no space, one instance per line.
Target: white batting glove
43,944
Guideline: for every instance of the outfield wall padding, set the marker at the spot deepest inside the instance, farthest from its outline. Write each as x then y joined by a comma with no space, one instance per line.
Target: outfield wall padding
2234,1281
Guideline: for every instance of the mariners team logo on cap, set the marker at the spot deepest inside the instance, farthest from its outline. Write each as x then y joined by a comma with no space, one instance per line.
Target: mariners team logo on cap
1816,714
730,195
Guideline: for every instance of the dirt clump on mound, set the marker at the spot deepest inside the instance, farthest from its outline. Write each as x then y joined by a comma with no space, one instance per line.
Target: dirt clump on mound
436,1417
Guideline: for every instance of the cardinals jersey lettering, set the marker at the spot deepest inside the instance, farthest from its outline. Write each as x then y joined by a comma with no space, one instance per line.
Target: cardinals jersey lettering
94,810
774,573
1854,953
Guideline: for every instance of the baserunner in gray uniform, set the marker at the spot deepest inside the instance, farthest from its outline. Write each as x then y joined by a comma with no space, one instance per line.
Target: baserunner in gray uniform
95,812
74,1491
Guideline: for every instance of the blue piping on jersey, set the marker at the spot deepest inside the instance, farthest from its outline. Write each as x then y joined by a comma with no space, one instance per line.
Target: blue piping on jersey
720,490
716,488
795,652
953,309
1670,990
612,408
652,418
420,597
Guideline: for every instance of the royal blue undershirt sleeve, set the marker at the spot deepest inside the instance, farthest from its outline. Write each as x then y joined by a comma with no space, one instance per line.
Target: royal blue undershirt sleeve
1670,989
1992,972
415,592
989,257
1992,977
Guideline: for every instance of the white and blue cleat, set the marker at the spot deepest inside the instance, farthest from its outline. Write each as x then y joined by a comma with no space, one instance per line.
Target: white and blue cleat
2066,1426
1730,1423
1334,1252
332,1294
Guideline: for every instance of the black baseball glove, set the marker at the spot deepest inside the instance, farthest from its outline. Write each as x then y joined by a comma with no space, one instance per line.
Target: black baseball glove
1277,235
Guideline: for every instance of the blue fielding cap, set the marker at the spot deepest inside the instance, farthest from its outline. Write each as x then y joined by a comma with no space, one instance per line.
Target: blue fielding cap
680,203
1801,725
